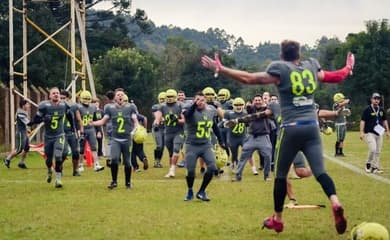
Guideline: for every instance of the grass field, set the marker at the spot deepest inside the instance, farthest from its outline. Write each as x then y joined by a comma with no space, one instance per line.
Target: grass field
154,209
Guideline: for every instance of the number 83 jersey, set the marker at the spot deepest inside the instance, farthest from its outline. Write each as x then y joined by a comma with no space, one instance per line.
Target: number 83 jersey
120,117
296,88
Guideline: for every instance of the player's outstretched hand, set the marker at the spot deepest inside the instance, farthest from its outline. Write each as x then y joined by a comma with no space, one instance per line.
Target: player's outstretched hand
208,63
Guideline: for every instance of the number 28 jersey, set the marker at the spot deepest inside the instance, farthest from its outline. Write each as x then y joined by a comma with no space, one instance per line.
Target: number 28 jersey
120,117
296,88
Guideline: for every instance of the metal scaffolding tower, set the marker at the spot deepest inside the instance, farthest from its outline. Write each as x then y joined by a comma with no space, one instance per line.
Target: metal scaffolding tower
79,68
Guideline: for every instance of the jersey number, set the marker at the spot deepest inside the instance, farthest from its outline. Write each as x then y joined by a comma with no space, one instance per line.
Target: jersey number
203,129
298,80
239,128
54,122
121,124
86,119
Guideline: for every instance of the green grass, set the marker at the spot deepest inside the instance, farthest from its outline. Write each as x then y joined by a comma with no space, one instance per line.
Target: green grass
30,208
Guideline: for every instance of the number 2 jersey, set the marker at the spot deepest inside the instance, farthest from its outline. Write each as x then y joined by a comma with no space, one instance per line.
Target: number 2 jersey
120,117
296,88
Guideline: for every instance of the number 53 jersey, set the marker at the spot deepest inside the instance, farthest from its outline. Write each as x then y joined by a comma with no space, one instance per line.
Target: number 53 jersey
298,82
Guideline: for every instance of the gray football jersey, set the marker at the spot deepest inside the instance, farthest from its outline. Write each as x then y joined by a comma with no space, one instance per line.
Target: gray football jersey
297,86
120,118
53,117
239,129
87,114
72,111
167,111
227,105
21,120
276,112
198,128
339,119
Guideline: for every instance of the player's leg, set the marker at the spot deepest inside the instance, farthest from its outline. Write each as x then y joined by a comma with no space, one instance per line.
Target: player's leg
247,150
59,152
191,157
91,137
125,149
49,153
265,149
115,160
209,158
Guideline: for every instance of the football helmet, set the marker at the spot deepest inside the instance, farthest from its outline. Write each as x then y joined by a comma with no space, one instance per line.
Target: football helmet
223,94
238,104
85,97
125,98
338,97
209,94
221,157
171,96
161,97
369,231
140,134
327,130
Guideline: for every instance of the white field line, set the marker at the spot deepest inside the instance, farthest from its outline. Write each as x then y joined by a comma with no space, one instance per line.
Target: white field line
357,170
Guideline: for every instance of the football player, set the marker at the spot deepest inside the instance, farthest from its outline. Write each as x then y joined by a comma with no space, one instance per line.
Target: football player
158,132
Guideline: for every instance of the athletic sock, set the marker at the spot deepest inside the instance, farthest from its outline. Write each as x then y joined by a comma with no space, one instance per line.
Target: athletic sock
206,180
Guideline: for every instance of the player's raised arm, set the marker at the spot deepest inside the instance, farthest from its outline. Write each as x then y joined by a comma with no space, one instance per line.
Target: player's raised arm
245,77
338,75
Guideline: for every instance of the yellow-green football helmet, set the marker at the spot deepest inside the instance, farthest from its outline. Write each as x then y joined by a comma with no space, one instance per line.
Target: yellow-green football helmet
223,94
327,130
369,231
171,96
85,97
140,134
125,98
238,104
161,97
221,157
209,94
338,97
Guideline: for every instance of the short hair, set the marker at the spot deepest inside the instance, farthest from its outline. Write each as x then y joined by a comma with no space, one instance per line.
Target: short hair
22,102
290,50
65,93
180,91
110,95
258,95
199,93
119,89
95,100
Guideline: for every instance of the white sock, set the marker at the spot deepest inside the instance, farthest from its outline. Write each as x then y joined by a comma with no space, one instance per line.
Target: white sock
58,175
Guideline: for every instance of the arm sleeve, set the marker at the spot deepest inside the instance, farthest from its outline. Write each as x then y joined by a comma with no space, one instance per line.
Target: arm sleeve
336,76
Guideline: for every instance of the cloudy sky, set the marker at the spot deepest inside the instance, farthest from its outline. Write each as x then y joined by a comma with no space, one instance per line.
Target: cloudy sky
271,20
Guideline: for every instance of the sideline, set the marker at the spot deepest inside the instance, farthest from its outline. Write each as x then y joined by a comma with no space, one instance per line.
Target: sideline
358,170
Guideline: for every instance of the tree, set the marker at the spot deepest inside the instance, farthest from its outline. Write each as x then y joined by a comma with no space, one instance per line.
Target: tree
132,70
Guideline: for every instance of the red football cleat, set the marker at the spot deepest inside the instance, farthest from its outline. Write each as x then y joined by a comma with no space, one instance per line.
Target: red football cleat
271,223
339,219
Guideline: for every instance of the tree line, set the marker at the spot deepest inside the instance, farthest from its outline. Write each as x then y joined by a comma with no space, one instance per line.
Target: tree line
129,51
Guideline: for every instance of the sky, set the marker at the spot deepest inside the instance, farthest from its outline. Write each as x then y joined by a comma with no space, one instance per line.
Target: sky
273,20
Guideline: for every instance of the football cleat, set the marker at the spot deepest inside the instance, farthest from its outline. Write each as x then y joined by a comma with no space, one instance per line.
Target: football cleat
76,174
99,168
181,164
189,196
112,185
81,168
22,165
157,165
146,164
272,223
254,171
340,221
237,178
7,162
171,174
368,167
49,176
58,184
376,170
202,196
